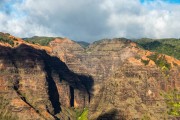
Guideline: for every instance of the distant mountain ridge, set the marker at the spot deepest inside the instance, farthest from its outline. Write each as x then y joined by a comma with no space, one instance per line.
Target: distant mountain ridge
168,46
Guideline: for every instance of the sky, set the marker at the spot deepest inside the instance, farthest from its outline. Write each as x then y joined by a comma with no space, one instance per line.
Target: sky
91,20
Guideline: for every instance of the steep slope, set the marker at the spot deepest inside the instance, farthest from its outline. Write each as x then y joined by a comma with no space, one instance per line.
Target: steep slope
36,85
127,80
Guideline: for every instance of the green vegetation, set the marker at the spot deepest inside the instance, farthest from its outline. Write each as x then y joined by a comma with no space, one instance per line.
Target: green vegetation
4,38
82,115
44,41
4,113
160,61
169,46
173,102
146,62
83,44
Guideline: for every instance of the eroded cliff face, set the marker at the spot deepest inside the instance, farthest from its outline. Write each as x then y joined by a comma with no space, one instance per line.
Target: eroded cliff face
127,83
37,85
114,79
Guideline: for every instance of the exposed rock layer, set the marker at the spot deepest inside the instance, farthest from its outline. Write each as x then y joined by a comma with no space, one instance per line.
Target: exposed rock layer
110,77
124,87
37,85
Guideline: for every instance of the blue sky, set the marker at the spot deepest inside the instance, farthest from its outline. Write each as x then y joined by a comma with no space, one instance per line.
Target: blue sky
91,20
7,6
168,1
173,1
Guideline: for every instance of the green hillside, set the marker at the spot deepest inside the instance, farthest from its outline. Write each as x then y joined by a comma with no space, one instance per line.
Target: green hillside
44,41
83,44
170,46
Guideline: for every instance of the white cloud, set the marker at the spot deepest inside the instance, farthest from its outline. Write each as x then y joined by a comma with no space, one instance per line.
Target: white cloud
156,19
92,20
22,27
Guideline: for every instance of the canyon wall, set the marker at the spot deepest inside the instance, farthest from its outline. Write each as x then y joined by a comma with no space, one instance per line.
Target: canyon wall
124,87
38,86
113,78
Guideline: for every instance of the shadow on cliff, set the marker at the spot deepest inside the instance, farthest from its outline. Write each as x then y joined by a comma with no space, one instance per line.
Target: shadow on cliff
112,115
51,65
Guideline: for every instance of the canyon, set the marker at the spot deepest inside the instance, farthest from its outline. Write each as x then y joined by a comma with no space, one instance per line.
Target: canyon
112,79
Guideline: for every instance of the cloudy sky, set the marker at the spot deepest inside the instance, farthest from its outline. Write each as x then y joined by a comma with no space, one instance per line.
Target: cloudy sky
90,20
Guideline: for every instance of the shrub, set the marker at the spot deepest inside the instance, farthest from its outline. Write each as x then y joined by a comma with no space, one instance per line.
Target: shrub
172,100
146,62
83,115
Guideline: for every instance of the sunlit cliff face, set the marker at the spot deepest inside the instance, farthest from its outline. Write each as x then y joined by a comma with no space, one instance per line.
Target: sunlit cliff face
112,78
